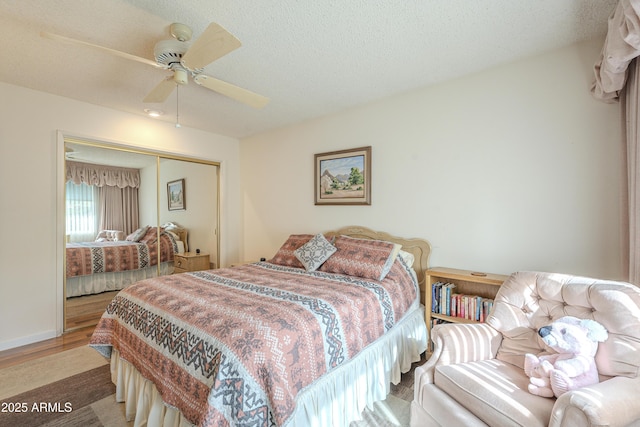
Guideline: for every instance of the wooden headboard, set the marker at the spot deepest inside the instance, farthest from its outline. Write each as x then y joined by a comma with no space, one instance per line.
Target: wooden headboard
420,248
183,234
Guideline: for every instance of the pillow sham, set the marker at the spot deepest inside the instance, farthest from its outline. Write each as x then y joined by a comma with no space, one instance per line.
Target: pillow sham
102,237
138,234
285,255
110,236
315,252
369,259
151,236
407,257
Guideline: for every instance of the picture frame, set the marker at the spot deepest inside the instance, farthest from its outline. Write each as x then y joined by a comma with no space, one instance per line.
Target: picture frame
176,195
343,177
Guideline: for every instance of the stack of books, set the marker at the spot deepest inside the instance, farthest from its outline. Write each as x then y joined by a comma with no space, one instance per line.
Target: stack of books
446,301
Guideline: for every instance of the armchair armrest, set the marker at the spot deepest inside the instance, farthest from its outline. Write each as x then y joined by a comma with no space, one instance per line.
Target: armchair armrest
458,343
612,403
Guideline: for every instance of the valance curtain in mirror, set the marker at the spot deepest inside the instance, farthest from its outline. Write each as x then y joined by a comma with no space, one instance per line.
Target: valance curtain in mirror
100,175
117,202
617,78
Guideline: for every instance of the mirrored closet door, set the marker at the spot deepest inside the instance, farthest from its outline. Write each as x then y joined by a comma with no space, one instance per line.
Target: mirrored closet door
128,214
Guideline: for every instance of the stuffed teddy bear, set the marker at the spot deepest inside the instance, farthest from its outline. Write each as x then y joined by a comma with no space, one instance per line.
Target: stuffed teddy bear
573,366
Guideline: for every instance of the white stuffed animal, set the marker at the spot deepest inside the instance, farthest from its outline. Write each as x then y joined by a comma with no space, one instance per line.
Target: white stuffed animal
573,366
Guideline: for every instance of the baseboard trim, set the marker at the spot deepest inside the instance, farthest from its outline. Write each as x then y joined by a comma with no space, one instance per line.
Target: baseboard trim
30,339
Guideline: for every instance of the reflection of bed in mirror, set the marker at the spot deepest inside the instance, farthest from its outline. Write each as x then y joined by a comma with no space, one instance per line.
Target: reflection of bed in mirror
112,262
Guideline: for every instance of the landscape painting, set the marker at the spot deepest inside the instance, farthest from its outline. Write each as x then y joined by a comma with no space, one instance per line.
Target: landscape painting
175,195
343,177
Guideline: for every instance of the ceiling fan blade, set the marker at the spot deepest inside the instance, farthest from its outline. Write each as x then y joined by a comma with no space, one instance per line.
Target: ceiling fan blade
110,51
161,92
239,94
214,43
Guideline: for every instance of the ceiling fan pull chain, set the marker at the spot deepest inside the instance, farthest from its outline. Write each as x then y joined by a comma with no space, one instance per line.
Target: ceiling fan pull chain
177,105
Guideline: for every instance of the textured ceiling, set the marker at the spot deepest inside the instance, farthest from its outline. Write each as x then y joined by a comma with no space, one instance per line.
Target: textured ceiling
311,58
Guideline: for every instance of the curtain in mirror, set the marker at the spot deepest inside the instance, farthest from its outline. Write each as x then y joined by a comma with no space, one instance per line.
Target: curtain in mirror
100,198
81,212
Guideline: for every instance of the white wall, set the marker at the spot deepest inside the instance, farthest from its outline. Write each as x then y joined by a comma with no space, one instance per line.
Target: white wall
515,168
29,121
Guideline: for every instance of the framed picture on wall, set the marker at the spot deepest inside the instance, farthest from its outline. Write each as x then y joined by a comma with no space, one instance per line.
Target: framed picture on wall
175,195
343,177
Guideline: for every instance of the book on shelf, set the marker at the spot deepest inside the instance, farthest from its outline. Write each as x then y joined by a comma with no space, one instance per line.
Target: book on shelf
445,301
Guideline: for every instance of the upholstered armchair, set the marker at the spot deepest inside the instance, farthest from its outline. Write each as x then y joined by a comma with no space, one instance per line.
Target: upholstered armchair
475,376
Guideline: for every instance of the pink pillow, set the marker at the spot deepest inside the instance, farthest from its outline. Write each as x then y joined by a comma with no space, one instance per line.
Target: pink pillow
151,236
286,256
369,259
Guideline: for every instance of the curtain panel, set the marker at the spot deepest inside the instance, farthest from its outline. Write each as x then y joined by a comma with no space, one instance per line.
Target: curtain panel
101,175
617,78
631,112
118,209
81,216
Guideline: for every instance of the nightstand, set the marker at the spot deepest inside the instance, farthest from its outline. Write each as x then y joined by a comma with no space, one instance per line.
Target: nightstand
190,261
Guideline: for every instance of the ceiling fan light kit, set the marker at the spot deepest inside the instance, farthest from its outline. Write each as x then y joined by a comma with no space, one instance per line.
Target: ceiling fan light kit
180,76
185,61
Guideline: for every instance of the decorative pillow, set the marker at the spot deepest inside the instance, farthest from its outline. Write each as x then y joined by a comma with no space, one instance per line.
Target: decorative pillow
315,252
369,259
110,236
102,237
151,236
407,257
285,255
138,234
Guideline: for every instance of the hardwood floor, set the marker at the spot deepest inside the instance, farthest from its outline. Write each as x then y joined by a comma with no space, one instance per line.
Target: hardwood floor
66,341
86,310
83,314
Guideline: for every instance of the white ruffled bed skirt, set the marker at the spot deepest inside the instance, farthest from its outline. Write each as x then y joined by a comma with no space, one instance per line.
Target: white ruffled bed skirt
105,282
336,399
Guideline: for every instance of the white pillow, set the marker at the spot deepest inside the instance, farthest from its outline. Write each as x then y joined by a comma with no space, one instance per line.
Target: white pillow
138,234
407,257
315,252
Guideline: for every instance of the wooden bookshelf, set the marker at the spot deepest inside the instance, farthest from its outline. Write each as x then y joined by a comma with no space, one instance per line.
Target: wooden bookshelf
466,282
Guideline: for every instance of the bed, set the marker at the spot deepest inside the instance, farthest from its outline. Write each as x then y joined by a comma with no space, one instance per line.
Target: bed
271,343
110,265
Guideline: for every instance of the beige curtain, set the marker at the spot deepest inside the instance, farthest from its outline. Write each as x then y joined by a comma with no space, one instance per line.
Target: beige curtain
617,78
100,175
631,109
119,209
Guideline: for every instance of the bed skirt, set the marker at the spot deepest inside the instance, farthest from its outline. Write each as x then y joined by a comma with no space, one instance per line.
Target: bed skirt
105,282
336,399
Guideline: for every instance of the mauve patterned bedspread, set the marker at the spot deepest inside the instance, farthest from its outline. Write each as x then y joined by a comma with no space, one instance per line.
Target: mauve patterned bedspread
105,257
236,345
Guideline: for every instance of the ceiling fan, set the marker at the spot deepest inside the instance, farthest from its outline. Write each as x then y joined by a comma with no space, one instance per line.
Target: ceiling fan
185,60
